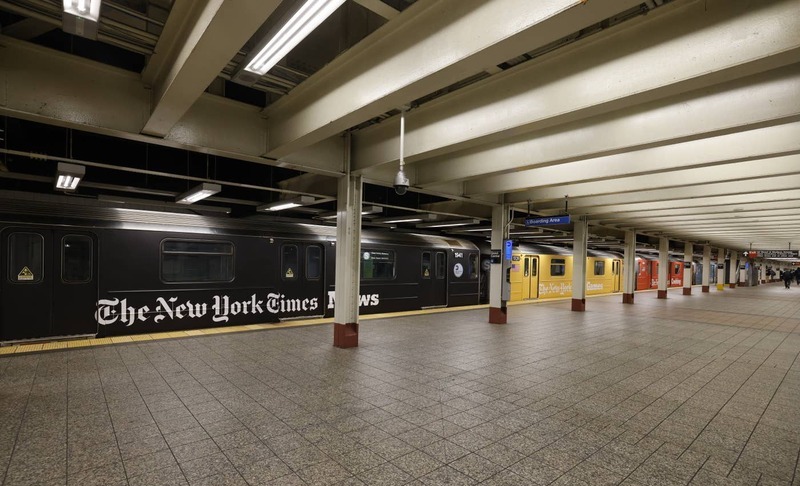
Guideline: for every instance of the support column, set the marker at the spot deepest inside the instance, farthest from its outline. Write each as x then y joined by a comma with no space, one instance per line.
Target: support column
706,267
348,261
629,264
734,268
762,271
720,269
663,267
497,306
688,253
579,244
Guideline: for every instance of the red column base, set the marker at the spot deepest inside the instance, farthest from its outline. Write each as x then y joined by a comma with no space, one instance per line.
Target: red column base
662,294
627,298
687,291
497,315
345,335
705,288
733,286
579,305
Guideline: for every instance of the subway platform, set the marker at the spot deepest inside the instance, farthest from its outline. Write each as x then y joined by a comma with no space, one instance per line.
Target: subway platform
701,389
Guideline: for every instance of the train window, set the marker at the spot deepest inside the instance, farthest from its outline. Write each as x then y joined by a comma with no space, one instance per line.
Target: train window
313,263
289,262
25,257
526,267
188,261
441,264
558,267
377,264
599,267
534,266
76,259
473,265
426,264
677,269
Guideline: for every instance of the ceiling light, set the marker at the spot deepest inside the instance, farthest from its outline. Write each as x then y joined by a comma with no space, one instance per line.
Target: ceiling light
80,17
298,27
448,224
68,176
371,210
287,203
400,220
198,192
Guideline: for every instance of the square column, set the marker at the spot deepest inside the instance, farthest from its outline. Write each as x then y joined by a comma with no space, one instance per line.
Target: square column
706,267
720,269
579,244
733,270
348,261
688,253
663,267
629,264
497,305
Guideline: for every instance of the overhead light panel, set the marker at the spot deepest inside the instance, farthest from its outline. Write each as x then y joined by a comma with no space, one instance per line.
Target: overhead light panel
198,192
80,17
449,224
371,210
68,176
287,203
307,18
400,219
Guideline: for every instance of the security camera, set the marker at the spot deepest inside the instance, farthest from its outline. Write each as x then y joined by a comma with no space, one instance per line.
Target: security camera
401,183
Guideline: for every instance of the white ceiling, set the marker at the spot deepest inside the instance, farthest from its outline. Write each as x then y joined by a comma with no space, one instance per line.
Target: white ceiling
683,121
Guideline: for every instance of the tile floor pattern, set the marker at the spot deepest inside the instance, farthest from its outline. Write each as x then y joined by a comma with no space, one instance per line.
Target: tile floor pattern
689,390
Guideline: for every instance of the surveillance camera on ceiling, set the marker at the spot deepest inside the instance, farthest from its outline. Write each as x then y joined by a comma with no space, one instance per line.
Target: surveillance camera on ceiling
401,183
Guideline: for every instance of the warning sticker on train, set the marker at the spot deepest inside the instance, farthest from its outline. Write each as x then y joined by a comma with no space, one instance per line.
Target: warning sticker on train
25,274
458,270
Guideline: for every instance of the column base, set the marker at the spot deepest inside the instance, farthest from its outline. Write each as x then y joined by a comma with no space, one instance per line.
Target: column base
733,285
705,288
579,305
345,335
627,298
498,315
662,294
687,291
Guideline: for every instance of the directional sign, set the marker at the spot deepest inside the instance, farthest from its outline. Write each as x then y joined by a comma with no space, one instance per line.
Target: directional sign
547,221
773,254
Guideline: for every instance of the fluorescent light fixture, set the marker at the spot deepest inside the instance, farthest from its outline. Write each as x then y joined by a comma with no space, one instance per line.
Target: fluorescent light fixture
198,192
408,219
371,210
80,17
448,224
303,22
287,203
68,176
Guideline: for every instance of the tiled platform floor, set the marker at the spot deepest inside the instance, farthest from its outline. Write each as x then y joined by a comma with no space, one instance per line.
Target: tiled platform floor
702,389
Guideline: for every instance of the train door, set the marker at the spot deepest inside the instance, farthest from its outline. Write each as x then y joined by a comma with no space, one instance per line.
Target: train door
302,276
74,283
433,282
616,275
654,274
49,283
530,277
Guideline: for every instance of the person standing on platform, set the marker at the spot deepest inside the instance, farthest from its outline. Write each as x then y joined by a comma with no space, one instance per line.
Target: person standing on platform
797,275
788,276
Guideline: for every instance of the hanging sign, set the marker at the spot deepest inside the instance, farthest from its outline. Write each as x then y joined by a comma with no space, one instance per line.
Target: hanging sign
773,254
25,275
547,220
509,249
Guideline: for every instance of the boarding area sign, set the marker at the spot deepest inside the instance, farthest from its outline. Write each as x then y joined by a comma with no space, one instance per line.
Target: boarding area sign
772,254
547,220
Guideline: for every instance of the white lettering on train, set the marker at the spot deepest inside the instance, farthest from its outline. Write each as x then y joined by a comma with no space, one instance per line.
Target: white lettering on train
364,300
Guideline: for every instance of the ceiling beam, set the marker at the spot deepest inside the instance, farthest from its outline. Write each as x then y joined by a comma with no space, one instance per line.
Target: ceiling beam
56,88
618,173
431,45
380,8
760,100
199,40
606,72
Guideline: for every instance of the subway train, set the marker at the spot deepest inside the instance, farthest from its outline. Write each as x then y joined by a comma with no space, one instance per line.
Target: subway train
77,269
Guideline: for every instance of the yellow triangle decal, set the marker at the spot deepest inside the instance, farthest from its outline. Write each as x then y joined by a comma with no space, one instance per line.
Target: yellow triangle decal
25,274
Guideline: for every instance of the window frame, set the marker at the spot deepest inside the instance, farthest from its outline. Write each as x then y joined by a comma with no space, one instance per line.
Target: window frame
441,272
422,265
377,279
602,267
91,259
321,270
191,240
296,276
9,260
562,264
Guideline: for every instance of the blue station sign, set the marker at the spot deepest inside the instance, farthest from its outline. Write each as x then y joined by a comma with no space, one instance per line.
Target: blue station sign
547,221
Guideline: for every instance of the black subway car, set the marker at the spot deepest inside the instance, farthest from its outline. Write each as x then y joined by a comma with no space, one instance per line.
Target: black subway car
73,267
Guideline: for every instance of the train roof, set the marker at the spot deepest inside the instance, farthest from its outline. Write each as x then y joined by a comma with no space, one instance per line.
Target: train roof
86,212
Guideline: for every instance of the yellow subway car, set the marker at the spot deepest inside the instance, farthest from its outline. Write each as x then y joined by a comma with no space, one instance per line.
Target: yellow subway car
545,272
